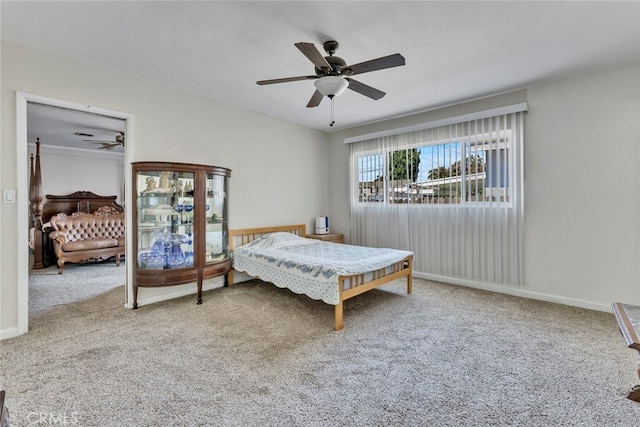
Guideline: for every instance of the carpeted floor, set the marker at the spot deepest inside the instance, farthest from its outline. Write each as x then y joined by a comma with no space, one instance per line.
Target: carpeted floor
78,282
257,355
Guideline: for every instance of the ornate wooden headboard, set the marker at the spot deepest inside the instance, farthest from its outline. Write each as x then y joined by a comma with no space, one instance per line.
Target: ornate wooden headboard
80,201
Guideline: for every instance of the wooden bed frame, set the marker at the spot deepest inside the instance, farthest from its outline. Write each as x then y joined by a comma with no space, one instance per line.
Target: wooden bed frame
80,201
357,284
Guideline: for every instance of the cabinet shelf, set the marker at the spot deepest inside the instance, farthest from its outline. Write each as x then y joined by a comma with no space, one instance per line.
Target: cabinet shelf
176,239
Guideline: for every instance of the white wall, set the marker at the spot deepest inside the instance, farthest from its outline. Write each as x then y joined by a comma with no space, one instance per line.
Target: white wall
582,197
169,126
65,171
582,193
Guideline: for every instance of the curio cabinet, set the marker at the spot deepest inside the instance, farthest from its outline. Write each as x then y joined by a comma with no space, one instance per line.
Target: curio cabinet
180,224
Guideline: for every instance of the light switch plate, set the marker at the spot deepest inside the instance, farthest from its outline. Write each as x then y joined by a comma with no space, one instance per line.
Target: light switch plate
9,196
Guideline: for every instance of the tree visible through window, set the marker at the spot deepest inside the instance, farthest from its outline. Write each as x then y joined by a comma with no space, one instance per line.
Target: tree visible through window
449,173
451,192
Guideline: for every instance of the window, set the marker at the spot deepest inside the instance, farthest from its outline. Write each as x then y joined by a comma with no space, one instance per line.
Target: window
457,172
450,193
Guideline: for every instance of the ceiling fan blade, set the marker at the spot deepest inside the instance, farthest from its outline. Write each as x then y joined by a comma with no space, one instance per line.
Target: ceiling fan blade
365,90
313,54
315,99
390,61
284,80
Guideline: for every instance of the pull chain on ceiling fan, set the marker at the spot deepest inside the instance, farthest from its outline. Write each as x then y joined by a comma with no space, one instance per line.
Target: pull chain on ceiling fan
333,75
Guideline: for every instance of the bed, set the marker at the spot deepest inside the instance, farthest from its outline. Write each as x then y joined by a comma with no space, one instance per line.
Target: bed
327,271
41,213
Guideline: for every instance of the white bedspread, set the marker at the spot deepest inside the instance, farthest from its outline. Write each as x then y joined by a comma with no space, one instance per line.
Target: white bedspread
308,266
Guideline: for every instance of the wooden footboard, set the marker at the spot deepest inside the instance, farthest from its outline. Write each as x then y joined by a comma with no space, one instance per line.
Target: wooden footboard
349,286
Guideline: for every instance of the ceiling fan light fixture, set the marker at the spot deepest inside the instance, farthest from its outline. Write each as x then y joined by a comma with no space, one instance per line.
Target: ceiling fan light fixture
331,85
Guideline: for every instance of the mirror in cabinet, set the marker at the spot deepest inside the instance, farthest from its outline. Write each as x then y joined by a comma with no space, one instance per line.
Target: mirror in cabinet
180,222
216,219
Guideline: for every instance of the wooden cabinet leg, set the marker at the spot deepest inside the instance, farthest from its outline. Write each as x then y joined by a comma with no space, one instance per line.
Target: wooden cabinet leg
634,393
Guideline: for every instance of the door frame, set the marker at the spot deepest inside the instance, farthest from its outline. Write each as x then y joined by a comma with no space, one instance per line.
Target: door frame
22,180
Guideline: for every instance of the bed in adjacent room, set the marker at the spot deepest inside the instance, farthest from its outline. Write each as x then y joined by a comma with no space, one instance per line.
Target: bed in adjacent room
327,271
68,204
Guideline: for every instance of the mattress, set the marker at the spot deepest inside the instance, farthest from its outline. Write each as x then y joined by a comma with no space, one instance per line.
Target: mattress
308,266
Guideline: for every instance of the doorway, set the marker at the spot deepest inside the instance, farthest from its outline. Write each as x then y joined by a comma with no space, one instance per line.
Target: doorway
25,104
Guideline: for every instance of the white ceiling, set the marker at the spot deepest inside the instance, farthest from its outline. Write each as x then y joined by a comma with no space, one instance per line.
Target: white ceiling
454,50
59,127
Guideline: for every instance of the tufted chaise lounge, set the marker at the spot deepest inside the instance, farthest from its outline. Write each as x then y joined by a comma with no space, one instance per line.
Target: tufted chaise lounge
84,237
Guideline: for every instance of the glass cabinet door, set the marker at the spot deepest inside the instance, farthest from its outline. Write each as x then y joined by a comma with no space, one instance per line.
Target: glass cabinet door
165,219
216,218
180,224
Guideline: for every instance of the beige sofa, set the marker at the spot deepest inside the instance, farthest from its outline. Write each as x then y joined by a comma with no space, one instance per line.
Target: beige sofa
84,237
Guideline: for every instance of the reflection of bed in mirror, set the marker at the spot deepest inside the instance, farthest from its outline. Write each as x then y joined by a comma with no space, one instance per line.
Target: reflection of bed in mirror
41,213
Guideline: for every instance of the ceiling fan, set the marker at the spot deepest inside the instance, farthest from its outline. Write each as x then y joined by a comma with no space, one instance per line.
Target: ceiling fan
109,145
333,75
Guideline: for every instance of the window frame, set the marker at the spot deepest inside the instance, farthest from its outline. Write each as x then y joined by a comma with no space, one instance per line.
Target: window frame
504,137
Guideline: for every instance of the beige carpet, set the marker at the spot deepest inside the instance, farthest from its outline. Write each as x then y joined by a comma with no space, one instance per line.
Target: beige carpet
78,282
257,355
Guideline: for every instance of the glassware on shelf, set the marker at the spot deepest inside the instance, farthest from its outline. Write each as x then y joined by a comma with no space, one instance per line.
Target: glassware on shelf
162,214
189,215
175,257
188,259
151,261
184,213
169,228
167,252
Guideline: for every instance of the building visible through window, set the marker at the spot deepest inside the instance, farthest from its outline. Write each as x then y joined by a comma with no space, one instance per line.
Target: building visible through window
442,173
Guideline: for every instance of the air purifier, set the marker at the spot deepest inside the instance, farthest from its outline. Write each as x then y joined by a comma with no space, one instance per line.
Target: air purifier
322,225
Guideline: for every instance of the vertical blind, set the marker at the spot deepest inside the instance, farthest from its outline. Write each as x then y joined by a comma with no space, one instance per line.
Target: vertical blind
452,194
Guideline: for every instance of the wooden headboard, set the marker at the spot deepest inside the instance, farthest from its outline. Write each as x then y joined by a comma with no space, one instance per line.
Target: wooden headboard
243,236
80,201
246,235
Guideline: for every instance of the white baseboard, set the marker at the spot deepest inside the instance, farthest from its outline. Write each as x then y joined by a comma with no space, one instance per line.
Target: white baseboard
189,289
218,282
178,291
517,291
9,333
